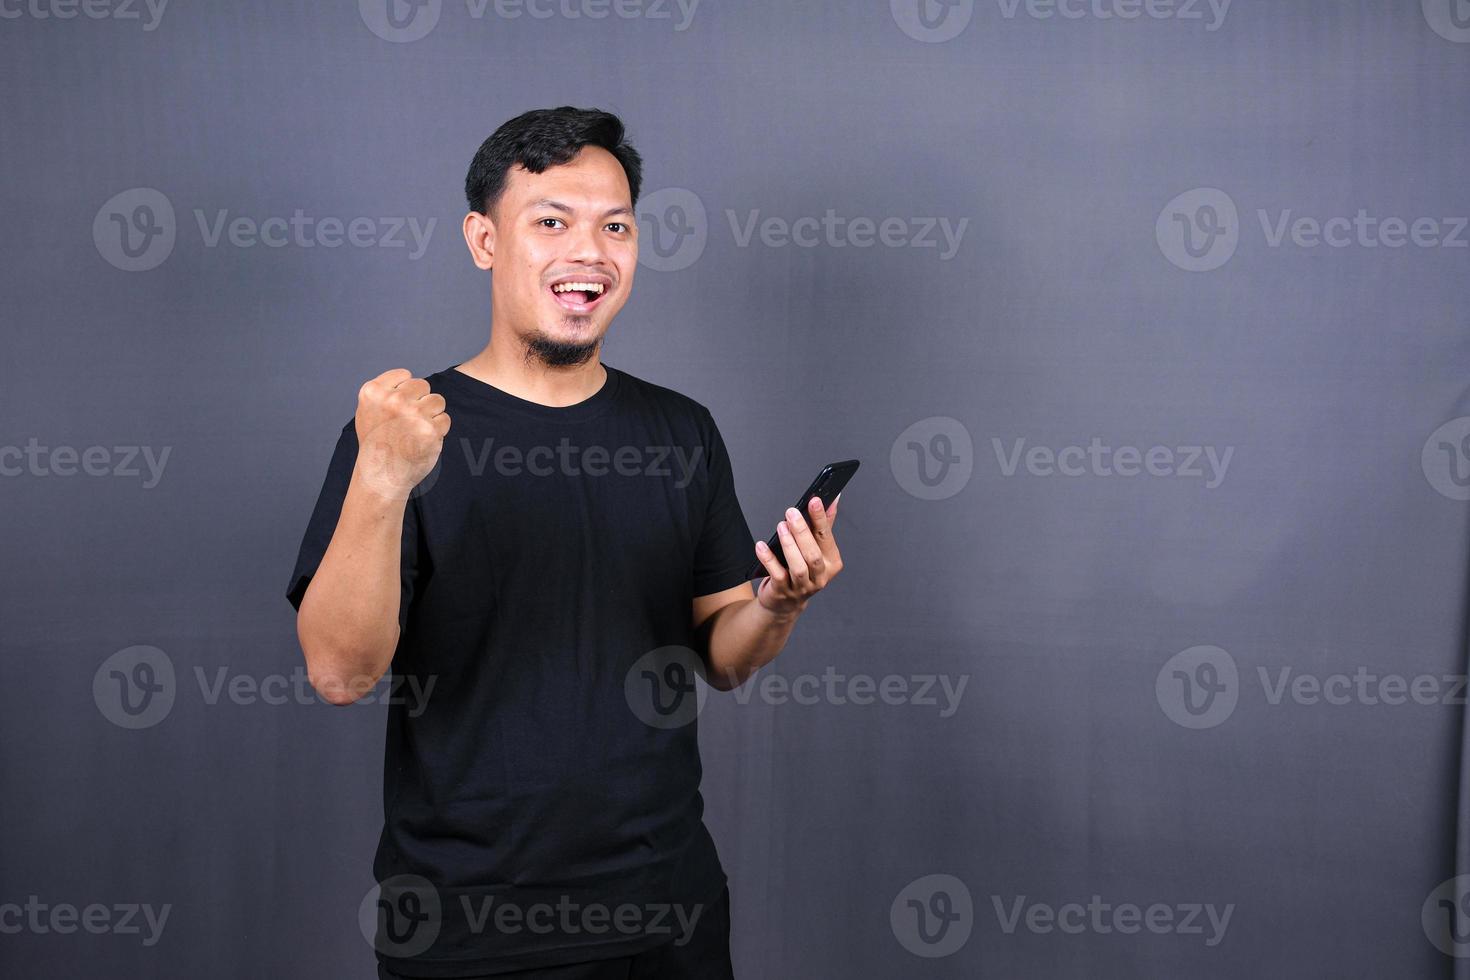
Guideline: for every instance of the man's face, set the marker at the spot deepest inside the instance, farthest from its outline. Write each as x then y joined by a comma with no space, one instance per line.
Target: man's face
569,224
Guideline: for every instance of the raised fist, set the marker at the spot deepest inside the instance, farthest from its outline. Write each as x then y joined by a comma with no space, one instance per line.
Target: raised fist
400,428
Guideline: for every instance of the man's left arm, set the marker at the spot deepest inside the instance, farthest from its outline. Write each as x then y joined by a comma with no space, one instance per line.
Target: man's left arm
736,634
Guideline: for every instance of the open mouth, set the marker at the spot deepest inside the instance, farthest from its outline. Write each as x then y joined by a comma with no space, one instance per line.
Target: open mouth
579,295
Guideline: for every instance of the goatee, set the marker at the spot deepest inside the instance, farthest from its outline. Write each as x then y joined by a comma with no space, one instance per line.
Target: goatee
559,353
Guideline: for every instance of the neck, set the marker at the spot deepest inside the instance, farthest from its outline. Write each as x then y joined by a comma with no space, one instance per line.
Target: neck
527,377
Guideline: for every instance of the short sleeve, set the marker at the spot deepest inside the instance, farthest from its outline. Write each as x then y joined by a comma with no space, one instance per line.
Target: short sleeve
323,523
725,553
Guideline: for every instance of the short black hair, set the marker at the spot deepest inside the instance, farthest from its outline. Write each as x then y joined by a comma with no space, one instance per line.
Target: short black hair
545,138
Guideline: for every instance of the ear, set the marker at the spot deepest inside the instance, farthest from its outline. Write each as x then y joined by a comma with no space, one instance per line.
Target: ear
479,235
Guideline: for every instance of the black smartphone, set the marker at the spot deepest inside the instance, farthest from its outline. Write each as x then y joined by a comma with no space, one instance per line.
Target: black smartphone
827,486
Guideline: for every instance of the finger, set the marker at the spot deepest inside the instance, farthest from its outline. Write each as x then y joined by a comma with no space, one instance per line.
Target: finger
412,389
817,518
832,511
768,561
811,549
392,378
795,563
821,521
431,405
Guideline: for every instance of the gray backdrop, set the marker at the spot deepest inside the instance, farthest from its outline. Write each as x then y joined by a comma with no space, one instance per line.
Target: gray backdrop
1147,322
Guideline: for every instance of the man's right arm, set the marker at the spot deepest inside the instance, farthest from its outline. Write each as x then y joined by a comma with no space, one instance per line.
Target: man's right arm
348,620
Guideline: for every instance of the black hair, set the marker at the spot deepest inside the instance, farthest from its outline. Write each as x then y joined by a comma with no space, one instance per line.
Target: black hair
545,138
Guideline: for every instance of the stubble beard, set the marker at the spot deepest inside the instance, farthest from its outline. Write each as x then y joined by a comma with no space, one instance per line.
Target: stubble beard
547,350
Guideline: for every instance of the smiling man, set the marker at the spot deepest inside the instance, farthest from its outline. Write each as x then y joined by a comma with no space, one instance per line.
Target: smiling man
553,576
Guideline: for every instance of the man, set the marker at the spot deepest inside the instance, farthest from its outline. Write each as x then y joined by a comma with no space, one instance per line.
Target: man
547,586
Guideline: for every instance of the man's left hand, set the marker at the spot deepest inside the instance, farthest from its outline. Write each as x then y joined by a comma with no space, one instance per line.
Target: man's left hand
812,559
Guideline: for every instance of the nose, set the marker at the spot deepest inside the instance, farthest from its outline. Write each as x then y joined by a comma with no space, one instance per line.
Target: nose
586,246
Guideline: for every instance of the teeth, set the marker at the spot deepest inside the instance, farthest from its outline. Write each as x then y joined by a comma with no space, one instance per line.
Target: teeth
584,287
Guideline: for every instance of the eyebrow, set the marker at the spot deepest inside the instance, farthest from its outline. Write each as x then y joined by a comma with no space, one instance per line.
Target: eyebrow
568,209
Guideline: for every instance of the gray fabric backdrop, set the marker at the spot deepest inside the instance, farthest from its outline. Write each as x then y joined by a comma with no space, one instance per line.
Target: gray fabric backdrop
1146,317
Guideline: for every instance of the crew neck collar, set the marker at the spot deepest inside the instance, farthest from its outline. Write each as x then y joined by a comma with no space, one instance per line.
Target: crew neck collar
591,406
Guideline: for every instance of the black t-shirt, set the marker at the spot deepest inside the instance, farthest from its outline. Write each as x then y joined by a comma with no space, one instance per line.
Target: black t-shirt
549,565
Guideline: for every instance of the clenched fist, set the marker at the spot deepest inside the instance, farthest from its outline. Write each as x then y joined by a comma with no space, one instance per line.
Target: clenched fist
400,428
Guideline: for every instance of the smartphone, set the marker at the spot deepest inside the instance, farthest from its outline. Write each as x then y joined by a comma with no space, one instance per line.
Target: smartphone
827,486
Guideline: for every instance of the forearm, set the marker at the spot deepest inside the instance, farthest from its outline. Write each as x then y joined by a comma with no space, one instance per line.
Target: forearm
739,639
348,620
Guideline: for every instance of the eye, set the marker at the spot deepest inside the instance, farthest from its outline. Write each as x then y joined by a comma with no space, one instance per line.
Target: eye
544,220
619,225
